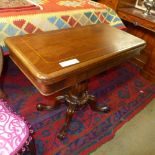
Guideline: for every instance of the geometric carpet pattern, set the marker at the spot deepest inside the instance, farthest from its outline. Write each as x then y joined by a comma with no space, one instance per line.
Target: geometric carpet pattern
122,88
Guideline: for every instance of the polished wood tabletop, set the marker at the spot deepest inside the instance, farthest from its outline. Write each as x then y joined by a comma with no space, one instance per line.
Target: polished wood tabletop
95,49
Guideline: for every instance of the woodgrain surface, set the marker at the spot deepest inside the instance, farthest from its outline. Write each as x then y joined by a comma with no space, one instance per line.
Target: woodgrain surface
97,47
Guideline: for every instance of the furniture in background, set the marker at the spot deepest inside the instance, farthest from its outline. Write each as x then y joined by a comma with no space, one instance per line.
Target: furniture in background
61,59
139,25
144,27
14,132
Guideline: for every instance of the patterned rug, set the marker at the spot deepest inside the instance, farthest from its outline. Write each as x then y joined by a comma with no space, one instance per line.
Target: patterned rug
122,88
16,5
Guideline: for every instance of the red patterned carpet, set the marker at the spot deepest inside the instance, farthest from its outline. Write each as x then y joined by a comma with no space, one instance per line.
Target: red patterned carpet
122,88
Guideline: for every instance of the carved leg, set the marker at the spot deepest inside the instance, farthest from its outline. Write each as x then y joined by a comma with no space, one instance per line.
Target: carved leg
59,101
77,97
70,111
93,104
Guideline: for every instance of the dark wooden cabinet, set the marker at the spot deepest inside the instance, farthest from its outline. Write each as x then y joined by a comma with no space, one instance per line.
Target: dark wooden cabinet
141,26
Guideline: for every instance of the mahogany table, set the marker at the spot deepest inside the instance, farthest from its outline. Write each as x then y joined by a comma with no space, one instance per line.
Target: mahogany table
61,59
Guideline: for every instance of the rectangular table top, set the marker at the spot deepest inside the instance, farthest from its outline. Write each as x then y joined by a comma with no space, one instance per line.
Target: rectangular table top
88,47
